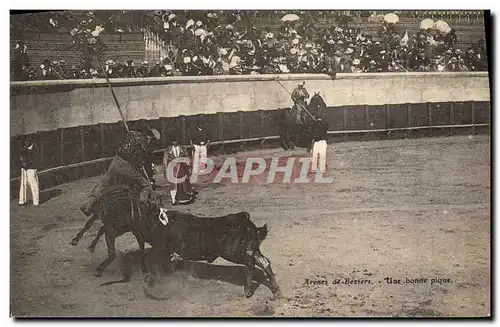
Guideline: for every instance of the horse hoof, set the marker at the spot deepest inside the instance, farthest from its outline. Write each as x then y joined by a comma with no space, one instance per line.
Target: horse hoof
98,273
74,242
249,294
250,290
91,249
277,294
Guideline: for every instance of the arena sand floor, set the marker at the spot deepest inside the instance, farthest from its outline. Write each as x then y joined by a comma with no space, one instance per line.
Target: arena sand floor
412,208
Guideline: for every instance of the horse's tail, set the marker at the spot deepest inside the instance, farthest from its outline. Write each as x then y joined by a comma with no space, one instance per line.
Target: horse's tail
121,281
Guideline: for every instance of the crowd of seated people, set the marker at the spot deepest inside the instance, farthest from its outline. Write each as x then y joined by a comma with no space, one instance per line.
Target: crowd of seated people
201,45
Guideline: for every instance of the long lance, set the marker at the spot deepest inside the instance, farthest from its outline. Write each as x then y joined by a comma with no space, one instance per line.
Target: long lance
123,117
284,88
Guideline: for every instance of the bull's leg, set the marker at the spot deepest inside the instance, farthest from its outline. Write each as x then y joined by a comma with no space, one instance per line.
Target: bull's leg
110,242
263,263
248,287
92,245
88,224
247,259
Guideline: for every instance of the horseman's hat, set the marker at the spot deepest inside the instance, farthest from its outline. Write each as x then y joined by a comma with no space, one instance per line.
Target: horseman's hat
303,83
155,133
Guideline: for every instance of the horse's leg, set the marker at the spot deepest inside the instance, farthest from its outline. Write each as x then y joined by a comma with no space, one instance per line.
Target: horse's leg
263,263
141,242
154,262
92,245
289,132
88,224
110,242
283,139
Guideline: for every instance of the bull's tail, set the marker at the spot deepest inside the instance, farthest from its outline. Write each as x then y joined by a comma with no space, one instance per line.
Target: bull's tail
262,232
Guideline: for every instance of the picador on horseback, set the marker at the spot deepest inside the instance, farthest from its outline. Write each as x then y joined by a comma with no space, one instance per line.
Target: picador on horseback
299,97
125,168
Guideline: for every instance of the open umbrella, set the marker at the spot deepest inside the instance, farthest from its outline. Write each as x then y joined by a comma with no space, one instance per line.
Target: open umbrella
391,18
235,61
426,23
290,18
442,26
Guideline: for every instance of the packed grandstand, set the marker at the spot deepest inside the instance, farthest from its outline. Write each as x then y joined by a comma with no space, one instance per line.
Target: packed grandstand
249,42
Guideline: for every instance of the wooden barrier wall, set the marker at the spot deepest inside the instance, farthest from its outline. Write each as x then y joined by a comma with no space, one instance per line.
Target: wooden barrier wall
69,147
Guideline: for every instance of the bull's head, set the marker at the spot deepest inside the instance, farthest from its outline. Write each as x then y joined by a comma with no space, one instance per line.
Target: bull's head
163,217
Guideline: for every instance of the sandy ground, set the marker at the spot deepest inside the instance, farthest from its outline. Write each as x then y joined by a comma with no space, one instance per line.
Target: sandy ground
417,208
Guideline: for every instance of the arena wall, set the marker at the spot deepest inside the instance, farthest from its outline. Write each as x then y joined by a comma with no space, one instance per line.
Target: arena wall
50,105
77,127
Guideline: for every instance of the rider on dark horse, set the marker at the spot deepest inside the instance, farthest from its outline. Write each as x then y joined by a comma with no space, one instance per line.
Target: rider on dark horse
299,97
125,168
123,172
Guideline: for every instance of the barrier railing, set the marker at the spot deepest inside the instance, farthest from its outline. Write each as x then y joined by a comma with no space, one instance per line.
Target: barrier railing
76,148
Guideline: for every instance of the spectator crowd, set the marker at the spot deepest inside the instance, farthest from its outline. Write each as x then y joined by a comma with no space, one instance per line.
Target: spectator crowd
201,45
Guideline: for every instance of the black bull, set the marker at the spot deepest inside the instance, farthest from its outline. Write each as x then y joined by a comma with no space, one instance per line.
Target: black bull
233,237
293,134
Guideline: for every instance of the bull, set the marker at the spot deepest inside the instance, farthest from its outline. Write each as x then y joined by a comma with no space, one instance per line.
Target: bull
233,237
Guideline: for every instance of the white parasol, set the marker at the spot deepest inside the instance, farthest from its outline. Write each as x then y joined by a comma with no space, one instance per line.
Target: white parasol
442,26
426,23
391,18
235,61
290,18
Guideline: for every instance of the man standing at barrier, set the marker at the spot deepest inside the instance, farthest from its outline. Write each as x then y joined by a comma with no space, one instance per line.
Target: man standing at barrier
319,130
199,141
125,168
181,190
29,174
299,97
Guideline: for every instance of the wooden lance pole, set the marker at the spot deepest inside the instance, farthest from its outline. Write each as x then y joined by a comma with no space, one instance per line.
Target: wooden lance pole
122,116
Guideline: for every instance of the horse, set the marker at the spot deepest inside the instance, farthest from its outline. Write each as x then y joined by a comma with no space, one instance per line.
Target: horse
299,134
120,212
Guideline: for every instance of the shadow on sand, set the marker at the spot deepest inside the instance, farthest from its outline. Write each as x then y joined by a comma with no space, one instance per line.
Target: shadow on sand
131,264
49,194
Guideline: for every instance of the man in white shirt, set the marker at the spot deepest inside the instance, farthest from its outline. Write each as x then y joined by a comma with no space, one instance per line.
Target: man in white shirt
29,174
